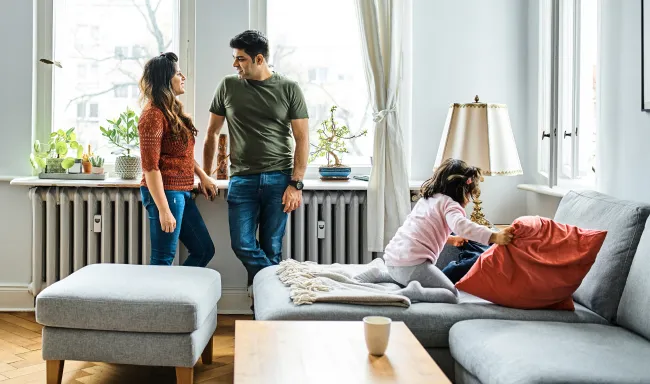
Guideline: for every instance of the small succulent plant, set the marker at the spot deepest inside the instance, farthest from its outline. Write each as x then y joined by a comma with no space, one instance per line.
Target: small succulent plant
97,161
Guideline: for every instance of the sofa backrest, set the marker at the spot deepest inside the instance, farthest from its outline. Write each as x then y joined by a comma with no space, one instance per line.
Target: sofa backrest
634,308
624,222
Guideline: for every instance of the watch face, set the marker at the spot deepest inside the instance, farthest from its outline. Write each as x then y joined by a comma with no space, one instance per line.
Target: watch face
299,185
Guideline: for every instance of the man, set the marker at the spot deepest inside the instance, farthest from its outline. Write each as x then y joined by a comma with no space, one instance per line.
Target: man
263,110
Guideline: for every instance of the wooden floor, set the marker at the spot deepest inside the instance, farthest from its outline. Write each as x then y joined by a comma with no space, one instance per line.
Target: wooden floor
21,361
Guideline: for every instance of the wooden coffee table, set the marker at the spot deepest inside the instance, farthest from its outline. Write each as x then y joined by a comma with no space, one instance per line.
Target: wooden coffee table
332,352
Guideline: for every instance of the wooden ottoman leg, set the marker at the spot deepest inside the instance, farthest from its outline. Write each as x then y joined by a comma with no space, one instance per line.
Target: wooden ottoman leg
184,375
206,356
54,369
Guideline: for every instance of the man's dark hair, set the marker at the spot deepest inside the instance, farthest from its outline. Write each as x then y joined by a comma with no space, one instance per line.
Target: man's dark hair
252,42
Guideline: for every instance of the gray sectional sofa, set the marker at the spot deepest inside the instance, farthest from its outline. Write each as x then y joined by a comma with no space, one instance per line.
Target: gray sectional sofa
605,340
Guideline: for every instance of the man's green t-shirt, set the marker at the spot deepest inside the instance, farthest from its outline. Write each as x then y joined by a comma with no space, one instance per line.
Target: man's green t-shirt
259,115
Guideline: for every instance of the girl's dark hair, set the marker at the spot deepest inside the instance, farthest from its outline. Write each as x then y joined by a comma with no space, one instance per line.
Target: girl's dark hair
156,87
455,179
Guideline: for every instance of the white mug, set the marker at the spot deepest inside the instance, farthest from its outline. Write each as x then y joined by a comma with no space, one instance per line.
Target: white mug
377,331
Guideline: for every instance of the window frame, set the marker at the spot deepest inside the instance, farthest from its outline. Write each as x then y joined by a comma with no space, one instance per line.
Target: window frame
257,18
550,27
43,99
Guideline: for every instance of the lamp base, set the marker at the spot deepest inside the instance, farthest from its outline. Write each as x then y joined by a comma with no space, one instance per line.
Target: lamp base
477,214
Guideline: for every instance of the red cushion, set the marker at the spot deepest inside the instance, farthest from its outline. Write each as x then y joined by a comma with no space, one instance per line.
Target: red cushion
541,268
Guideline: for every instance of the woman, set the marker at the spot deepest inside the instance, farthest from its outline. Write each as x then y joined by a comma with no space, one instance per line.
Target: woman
167,151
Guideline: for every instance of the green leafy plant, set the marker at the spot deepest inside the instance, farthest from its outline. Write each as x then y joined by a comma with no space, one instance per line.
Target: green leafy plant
58,146
97,161
123,132
331,141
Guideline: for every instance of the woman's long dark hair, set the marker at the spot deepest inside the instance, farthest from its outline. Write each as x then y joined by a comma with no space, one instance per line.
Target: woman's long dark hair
455,179
156,87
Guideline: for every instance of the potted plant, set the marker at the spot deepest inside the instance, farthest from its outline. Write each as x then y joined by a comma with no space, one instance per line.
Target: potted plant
52,157
97,165
123,134
87,166
331,144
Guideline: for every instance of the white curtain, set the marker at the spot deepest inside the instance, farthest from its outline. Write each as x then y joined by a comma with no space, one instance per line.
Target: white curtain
381,23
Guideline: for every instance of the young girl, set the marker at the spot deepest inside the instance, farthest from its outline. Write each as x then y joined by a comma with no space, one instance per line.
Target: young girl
412,253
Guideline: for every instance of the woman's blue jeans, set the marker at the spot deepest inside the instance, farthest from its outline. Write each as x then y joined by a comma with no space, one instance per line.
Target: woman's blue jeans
190,230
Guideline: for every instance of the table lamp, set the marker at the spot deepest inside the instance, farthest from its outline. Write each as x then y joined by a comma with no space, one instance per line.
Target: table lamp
480,134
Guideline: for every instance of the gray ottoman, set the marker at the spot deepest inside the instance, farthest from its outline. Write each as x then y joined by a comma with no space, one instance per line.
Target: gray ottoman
130,314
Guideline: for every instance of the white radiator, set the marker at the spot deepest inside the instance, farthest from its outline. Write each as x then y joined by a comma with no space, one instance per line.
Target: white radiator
66,236
342,236
75,227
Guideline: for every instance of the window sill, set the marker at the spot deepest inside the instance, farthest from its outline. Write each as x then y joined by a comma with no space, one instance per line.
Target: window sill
544,190
114,182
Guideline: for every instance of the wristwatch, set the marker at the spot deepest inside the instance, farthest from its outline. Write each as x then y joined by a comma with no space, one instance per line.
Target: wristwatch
297,184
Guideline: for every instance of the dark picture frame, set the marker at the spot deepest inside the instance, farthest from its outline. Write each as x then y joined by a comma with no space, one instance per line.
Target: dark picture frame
645,55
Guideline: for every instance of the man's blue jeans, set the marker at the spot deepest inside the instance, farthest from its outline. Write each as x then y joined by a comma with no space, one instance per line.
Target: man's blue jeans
255,201
190,229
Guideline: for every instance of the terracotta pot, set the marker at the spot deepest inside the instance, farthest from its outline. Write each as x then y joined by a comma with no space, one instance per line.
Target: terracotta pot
87,166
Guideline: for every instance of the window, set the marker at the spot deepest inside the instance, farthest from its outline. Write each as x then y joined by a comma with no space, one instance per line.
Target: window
87,111
568,92
121,52
82,71
327,62
81,110
94,111
138,52
107,66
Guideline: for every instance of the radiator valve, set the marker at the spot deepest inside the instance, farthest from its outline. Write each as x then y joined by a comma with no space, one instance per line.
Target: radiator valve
97,223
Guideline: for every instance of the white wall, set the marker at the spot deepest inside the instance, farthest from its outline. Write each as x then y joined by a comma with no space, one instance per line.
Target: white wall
461,49
624,134
16,32
216,23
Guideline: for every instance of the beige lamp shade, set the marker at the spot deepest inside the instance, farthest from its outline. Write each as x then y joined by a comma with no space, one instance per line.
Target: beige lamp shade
480,134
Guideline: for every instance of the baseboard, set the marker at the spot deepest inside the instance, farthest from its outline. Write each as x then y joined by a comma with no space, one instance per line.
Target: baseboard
15,298
234,301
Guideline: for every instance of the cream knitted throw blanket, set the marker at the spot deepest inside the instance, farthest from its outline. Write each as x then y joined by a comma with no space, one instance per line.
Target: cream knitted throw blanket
311,282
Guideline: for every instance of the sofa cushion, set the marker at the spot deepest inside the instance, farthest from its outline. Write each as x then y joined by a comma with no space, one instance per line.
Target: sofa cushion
429,322
634,309
548,352
624,221
131,298
541,268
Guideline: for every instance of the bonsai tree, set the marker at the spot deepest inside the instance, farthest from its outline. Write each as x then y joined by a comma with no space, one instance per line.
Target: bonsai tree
331,141
58,146
123,133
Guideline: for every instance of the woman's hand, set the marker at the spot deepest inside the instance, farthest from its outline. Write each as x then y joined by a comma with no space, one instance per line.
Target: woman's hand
167,221
208,188
503,237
